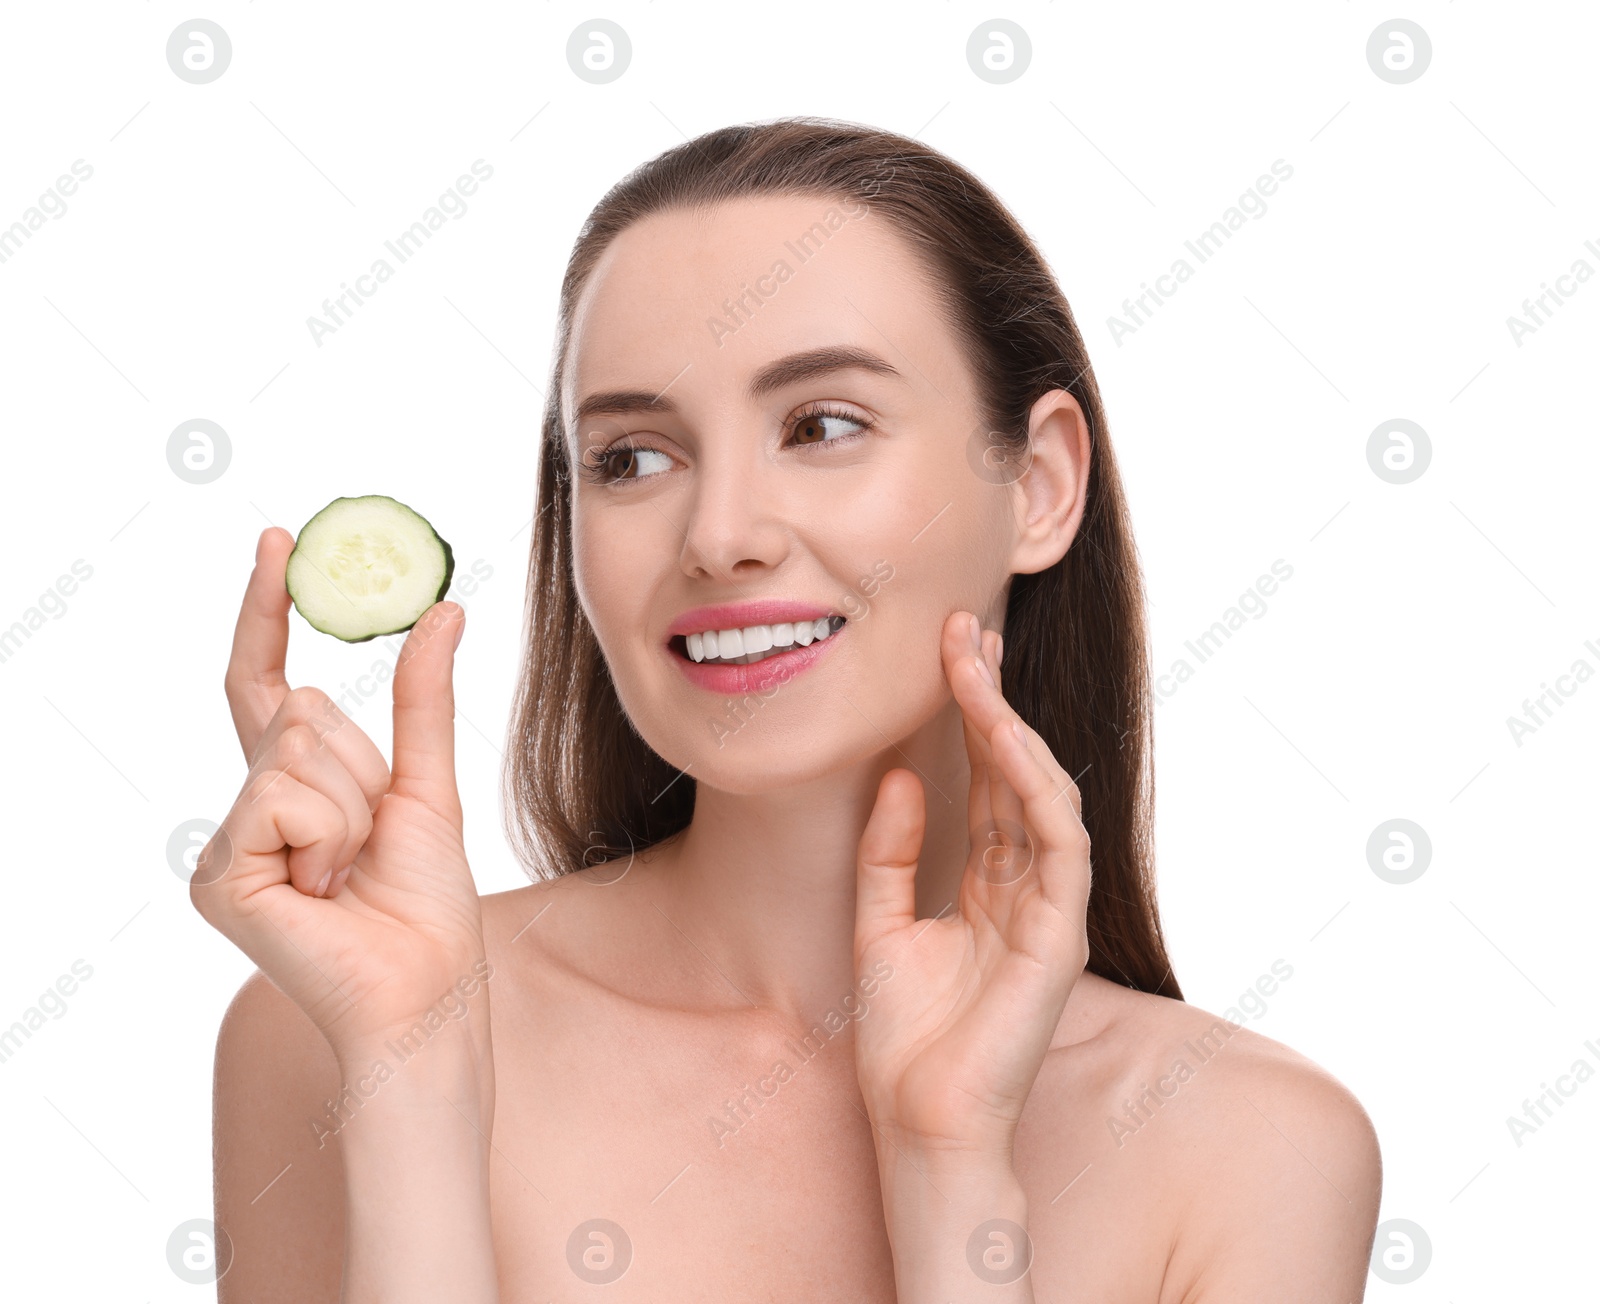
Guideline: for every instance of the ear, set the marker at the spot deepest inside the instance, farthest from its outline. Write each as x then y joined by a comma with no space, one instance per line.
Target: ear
1051,493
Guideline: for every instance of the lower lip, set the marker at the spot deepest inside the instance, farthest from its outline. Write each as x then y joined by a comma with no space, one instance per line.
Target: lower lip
758,676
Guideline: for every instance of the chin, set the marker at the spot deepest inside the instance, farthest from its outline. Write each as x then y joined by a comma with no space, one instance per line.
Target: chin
761,747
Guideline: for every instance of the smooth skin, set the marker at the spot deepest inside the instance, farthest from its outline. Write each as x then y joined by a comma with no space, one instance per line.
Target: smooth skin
640,1006
346,881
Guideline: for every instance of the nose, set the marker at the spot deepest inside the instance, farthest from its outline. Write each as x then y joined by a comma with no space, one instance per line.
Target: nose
735,525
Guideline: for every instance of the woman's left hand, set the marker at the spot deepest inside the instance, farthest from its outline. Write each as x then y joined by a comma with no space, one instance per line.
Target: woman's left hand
952,1043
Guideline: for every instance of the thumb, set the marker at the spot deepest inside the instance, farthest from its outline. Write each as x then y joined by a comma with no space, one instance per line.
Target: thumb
886,858
425,711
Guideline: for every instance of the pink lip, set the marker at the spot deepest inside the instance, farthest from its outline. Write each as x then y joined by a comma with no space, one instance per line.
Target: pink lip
758,675
738,615
761,675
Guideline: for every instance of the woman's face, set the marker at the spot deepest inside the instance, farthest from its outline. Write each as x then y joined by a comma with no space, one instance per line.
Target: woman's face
764,404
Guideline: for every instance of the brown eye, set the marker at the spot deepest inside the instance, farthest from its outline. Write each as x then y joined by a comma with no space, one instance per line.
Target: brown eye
625,462
827,427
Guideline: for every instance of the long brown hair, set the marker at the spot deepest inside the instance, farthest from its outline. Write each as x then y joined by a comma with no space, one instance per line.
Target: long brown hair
582,786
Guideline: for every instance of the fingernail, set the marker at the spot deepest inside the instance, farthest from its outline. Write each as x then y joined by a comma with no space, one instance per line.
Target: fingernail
461,628
977,635
999,649
323,886
984,671
339,882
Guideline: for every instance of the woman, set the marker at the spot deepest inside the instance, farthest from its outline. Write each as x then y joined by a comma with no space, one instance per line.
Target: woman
815,994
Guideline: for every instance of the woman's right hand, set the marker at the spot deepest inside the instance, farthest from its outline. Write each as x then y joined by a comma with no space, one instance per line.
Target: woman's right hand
347,883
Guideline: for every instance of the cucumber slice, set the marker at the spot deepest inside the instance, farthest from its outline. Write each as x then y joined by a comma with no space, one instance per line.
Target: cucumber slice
367,566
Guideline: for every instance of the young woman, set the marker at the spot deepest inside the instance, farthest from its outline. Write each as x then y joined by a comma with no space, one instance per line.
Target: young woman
840,977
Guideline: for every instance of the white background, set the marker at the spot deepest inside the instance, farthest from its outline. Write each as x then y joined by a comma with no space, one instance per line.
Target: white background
1376,686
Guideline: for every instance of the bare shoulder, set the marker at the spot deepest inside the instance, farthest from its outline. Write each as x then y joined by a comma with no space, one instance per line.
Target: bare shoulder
279,1179
1277,1165
587,927
506,914
540,919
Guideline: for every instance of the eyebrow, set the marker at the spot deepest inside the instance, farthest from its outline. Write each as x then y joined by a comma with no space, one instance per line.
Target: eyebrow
806,365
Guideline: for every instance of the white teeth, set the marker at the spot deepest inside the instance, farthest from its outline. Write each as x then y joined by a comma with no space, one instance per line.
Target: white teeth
756,642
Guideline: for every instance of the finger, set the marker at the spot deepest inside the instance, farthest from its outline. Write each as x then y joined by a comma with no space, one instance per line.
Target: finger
425,712
300,753
311,708
991,654
956,645
255,684
886,859
1067,792
275,811
994,811
1061,843
1005,806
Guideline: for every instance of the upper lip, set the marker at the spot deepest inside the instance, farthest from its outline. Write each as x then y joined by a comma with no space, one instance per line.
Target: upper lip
739,615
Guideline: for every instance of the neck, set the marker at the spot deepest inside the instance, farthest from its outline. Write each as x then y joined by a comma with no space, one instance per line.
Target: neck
764,884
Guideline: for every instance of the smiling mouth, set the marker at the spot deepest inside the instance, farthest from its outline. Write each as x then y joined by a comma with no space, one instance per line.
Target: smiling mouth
753,643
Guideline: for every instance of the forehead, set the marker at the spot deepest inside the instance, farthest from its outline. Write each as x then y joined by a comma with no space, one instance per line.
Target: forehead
700,298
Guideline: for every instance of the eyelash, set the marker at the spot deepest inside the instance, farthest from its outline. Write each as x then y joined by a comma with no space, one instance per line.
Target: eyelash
597,470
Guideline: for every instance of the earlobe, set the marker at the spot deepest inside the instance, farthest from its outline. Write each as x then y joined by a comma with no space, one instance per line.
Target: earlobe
1052,492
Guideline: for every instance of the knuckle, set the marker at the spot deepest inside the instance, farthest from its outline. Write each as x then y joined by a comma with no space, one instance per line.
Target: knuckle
373,787
305,703
210,904
260,785
207,892
295,743
329,828
237,680
235,689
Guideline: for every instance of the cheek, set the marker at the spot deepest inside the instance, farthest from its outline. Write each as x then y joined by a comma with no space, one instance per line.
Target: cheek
932,557
606,571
